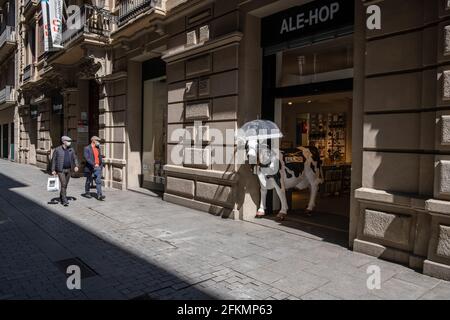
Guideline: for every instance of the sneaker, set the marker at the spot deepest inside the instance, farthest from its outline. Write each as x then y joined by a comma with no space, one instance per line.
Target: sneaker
101,197
65,203
87,195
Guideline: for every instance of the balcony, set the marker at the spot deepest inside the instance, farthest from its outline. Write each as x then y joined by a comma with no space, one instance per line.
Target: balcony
7,42
29,7
7,97
129,9
89,20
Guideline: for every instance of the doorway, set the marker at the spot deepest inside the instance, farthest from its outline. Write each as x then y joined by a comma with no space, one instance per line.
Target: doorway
57,120
324,122
308,93
12,143
154,125
33,133
5,138
93,112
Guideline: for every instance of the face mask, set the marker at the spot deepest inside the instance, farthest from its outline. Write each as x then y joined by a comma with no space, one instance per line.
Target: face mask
67,143
97,144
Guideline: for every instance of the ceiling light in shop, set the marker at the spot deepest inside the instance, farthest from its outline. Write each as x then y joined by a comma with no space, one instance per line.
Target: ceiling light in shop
290,103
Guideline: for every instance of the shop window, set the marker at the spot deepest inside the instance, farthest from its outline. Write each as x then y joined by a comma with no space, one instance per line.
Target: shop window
317,63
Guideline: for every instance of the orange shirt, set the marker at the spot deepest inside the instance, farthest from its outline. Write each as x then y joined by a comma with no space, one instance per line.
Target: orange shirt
96,157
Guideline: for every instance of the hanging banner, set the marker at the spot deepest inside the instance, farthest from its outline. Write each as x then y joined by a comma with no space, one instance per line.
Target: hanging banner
52,24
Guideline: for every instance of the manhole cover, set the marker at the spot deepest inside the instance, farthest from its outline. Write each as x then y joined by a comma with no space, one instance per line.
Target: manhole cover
86,271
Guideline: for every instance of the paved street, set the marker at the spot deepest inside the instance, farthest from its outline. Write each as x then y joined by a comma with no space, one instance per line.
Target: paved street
136,246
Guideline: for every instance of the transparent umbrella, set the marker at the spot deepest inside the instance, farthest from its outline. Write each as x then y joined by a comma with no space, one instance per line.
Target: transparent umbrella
258,130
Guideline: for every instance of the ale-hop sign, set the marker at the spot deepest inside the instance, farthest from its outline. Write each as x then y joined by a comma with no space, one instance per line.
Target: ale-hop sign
52,23
302,21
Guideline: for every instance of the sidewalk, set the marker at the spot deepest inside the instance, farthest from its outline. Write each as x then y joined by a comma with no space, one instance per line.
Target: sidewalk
135,246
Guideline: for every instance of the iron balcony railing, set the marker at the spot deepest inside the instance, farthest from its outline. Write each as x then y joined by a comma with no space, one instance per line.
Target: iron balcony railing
7,35
88,19
27,73
129,9
6,94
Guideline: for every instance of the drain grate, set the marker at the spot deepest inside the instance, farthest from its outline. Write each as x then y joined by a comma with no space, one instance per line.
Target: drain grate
86,271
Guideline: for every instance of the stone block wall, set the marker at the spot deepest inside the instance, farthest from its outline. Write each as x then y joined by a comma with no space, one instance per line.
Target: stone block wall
405,162
24,142
112,107
203,83
43,149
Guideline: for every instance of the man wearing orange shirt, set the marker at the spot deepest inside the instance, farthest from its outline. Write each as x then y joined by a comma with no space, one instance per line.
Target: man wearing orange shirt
93,168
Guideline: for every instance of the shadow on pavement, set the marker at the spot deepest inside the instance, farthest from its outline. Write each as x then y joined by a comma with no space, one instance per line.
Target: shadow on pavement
306,226
38,244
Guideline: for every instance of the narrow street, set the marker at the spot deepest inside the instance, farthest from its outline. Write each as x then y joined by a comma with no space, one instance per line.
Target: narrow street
136,246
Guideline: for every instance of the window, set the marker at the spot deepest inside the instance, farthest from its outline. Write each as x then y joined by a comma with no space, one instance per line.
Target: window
318,63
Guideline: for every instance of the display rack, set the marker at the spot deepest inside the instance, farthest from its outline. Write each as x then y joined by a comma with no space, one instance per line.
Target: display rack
337,180
328,133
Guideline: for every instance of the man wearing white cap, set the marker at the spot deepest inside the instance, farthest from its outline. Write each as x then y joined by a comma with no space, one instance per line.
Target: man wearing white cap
64,161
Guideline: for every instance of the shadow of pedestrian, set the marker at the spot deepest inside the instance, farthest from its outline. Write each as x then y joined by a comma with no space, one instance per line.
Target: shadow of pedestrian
58,200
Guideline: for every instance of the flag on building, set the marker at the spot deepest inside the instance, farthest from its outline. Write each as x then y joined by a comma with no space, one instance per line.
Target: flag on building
52,24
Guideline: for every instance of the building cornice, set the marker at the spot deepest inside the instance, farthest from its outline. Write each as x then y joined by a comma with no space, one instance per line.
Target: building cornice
114,76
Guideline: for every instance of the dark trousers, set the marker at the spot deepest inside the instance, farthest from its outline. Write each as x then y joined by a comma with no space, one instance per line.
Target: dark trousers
64,178
97,176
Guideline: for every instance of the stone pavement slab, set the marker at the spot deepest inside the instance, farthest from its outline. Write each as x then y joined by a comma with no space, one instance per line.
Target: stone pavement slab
139,247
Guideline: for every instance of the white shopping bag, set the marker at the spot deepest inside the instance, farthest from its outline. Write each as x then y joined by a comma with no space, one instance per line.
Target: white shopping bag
53,184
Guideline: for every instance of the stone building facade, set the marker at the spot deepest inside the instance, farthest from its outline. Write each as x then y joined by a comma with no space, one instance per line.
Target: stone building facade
140,70
8,79
402,210
59,92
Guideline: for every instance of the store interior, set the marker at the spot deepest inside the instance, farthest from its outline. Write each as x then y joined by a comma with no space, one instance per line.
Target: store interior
315,109
323,121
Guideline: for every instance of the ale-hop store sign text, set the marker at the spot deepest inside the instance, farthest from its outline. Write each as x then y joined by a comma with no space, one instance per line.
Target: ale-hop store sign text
311,18
316,16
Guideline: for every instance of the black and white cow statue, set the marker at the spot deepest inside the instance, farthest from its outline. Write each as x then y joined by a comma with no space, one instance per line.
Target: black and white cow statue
298,168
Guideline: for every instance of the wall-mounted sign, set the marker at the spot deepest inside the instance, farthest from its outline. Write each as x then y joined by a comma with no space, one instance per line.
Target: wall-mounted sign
204,33
302,21
37,99
83,126
191,38
33,111
57,107
57,103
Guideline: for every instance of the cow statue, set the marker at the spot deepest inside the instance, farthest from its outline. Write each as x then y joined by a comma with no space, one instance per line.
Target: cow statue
298,168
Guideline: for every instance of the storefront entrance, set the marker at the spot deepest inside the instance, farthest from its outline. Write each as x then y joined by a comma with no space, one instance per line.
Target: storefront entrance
12,143
93,113
154,120
308,93
33,131
57,120
322,121
5,138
